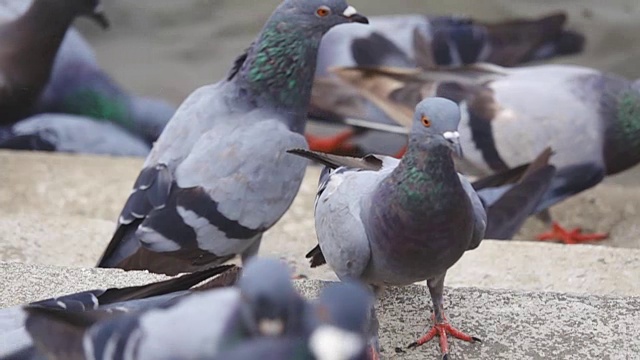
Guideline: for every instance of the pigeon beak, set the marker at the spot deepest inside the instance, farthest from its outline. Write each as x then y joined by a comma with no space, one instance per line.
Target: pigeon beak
100,17
352,15
271,327
453,137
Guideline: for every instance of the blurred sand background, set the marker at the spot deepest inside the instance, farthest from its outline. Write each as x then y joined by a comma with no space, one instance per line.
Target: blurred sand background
168,48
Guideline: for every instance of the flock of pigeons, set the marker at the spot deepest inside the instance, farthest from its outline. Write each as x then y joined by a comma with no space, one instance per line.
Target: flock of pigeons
230,161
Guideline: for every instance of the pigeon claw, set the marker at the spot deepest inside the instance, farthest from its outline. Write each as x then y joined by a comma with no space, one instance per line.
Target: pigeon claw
570,237
373,353
441,330
336,144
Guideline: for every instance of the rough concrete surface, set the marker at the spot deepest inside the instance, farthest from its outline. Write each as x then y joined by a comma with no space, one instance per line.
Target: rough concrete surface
512,325
97,187
79,242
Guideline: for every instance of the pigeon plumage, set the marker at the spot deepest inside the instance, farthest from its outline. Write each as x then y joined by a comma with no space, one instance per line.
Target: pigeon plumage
71,134
337,328
82,88
395,222
194,326
219,175
114,300
29,46
590,119
425,41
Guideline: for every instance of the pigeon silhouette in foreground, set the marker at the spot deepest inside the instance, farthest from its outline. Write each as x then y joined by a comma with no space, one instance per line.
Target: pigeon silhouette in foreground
425,41
112,301
337,328
27,56
197,325
390,222
219,175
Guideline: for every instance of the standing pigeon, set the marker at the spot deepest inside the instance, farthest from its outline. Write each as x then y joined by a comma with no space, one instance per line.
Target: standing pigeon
27,56
394,222
590,119
425,41
219,175
194,326
72,134
12,320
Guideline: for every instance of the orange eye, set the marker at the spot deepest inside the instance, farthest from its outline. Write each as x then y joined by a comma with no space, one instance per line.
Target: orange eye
425,121
323,11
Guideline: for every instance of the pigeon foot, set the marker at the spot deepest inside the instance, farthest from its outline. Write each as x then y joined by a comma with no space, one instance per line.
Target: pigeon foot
373,354
570,237
441,330
336,144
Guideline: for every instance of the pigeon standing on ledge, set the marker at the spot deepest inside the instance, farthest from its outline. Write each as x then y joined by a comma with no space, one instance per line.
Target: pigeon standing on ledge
219,175
392,222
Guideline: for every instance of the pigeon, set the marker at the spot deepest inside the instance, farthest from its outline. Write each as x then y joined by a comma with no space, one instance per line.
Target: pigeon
12,320
390,222
82,88
197,325
219,175
71,134
509,115
337,329
79,86
21,78
425,41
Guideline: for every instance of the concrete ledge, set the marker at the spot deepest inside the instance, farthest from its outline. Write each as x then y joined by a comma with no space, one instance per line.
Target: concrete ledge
79,242
512,325
97,187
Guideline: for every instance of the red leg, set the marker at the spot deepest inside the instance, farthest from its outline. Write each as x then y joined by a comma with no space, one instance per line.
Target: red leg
373,354
331,144
441,330
570,237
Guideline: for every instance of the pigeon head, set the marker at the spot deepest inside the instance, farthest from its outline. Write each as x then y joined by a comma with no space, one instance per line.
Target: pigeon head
343,313
270,304
437,119
92,9
319,15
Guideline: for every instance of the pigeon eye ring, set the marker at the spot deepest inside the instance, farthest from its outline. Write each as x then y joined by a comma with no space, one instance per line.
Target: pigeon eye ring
425,121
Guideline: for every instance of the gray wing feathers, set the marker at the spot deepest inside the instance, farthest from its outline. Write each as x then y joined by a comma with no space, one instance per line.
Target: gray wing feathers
341,232
479,213
253,183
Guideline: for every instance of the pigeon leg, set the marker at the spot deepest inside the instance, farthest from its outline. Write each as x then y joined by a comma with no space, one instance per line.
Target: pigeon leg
570,237
441,326
331,144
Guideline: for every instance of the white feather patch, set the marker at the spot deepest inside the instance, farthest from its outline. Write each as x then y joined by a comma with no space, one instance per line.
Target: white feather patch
156,241
332,343
350,11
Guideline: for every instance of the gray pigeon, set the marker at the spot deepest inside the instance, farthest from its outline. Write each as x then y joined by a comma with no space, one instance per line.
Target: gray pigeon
71,134
219,175
195,326
395,222
27,57
117,300
337,327
426,41
510,115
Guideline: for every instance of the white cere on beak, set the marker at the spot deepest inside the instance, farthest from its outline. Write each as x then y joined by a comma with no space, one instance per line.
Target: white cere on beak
332,343
350,11
451,135
269,327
